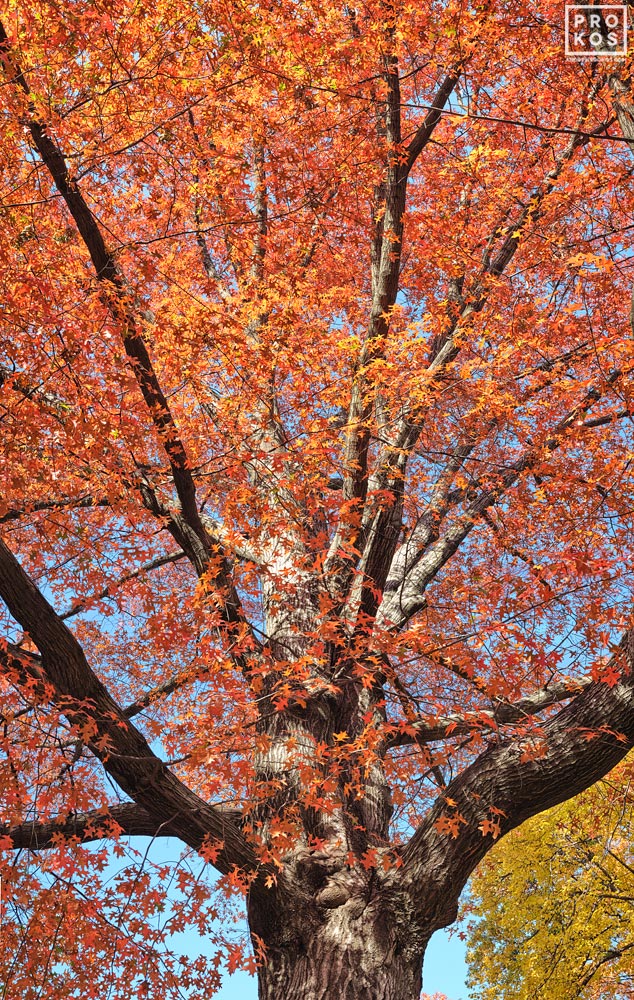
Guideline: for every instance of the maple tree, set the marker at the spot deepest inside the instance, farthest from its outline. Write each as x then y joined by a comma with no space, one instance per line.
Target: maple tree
574,865
316,366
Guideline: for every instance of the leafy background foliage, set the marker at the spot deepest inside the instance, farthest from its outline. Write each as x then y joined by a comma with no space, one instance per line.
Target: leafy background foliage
551,905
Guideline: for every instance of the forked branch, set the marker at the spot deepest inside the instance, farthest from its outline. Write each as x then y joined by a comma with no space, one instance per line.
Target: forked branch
517,778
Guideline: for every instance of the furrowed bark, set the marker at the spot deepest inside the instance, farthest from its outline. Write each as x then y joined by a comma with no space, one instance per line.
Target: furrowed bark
331,930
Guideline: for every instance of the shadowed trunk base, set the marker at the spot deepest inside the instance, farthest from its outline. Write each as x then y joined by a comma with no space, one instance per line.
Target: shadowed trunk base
354,951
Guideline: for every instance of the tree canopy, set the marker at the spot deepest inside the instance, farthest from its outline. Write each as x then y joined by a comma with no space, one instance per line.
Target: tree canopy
316,527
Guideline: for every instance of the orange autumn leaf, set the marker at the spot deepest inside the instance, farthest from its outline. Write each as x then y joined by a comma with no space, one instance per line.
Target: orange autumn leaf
449,824
490,826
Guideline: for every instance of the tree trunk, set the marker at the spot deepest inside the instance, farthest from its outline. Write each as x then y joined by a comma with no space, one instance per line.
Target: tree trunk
349,958
353,974
346,939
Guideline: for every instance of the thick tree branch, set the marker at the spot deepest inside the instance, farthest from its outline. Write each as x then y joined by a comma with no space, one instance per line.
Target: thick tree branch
209,265
122,749
621,89
387,252
261,214
516,779
424,133
199,553
118,297
379,547
75,503
506,713
608,418
98,824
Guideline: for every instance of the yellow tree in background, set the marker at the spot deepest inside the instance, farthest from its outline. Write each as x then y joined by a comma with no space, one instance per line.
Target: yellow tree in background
551,904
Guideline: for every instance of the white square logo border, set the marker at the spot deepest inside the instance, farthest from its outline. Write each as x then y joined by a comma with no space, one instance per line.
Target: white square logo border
579,33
